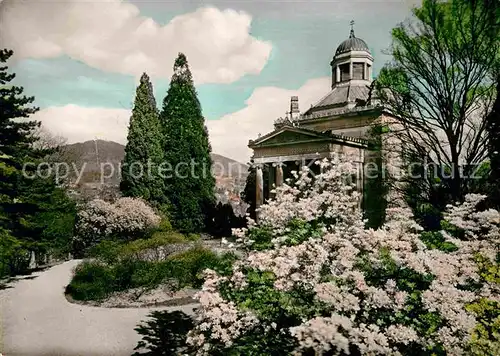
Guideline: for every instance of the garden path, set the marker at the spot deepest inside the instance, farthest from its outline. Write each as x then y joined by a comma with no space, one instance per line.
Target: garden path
36,319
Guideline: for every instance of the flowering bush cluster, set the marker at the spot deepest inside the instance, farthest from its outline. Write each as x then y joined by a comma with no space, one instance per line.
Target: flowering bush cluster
315,281
127,218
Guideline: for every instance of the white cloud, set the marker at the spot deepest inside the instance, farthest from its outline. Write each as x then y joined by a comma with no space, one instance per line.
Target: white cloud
229,135
79,124
112,36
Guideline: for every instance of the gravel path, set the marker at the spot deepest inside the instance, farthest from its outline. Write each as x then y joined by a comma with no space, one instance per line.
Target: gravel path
36,319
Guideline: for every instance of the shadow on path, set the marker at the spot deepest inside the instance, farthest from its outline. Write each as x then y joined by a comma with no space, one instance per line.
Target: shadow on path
38,320
8,282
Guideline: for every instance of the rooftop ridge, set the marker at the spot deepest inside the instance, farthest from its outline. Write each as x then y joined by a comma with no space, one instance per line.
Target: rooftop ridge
350,138
336,112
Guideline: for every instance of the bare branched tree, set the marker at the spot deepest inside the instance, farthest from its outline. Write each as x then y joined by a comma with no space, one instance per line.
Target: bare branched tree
56,146
46,140
441,86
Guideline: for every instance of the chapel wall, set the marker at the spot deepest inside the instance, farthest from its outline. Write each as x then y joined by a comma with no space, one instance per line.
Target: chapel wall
349,126
289,150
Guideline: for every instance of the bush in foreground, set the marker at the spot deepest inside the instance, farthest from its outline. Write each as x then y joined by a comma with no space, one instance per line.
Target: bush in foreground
126,219
317,282
119,267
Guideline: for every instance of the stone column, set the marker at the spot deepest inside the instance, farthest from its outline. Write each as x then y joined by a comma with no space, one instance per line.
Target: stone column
279,174
259,188
337,74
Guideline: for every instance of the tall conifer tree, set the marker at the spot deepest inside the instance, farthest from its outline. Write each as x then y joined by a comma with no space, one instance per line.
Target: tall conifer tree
35,214
190,187
144,151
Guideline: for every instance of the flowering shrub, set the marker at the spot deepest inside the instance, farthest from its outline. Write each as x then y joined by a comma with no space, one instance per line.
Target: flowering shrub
117,267
316,281
127,218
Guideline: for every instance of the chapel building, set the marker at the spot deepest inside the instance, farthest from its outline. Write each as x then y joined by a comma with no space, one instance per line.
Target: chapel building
338,123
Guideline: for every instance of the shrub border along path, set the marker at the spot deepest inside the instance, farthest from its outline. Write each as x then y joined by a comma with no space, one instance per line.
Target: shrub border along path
36,319
124,300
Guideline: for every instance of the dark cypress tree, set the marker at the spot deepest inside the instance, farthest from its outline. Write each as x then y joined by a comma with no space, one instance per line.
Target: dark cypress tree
376,182
144,151
493,126
190,185
35,214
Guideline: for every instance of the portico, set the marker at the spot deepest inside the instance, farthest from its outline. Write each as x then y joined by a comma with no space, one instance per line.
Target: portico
339,123
289,148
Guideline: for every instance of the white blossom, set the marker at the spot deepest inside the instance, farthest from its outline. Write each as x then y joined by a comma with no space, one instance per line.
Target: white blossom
336,250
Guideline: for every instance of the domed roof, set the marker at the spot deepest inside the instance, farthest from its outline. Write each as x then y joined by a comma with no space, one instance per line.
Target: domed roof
352,44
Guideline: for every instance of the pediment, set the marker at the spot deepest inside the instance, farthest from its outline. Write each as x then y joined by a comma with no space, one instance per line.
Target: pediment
290,135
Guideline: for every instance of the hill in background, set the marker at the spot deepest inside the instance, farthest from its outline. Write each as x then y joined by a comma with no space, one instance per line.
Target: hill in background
90,156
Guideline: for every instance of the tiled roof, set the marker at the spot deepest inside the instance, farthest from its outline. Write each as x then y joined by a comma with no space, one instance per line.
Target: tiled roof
339,111
343,95
358,92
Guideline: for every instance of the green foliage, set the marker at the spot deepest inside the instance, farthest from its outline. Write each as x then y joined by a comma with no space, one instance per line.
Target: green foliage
134,248
452,229
95,280
91,281
190,186
144,151
112,251
406,279
107,251
262,235
391,76
164,334
489,271
425,192
414,314
170,237
35,214
14,256
119,266
193,262
193,237
165,225
486,336
286,309
299,231
147,275
446,59
435,240
375,184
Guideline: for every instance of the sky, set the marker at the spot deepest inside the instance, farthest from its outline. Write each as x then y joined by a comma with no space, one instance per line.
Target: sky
82,59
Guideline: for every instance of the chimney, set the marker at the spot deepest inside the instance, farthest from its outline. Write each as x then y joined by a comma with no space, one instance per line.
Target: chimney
294,108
